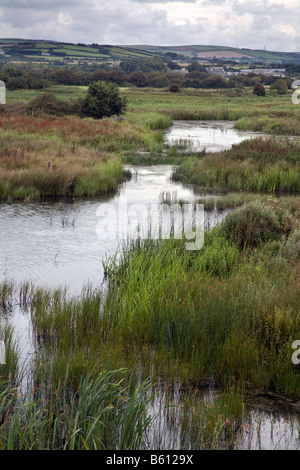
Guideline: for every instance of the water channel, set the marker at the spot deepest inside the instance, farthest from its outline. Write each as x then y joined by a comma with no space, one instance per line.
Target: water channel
59,243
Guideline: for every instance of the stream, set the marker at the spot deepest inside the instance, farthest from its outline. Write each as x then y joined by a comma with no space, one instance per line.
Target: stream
59,243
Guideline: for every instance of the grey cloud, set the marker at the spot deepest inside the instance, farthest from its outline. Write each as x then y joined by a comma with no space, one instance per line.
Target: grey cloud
39,5
208,3
164,1
258,7
142,22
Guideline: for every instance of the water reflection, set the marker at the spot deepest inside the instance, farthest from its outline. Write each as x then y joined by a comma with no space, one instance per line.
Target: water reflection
56,243
213,136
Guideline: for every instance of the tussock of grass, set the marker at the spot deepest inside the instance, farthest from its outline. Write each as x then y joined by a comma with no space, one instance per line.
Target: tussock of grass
100,415
226,314
253,165
270,124
221,311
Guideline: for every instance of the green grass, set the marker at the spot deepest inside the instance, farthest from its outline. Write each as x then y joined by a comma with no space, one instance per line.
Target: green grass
226,314
99,415
59,156
273,114
259,164
220,312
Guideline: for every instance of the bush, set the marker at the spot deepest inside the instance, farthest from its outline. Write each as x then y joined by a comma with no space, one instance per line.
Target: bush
280,86
103,100
252,225
48,103
259,89
291,248
174,88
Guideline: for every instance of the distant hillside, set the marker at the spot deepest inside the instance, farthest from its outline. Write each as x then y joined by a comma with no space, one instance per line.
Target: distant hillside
223,52
49,51
52,51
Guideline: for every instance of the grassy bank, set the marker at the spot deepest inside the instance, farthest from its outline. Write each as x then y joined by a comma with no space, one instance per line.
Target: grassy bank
273,114
59,156
225,315
230,311
253,165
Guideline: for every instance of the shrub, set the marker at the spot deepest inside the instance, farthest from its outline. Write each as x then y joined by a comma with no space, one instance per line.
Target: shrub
103,100
291,248
174,88
251,225
280,86
47,103
259,89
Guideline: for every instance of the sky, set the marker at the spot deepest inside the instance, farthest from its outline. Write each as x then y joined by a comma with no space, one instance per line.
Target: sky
254,24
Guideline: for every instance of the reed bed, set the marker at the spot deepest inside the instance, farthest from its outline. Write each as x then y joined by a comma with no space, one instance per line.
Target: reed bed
253,165
225,315
50,156
270,114
101,414
34,165
231,310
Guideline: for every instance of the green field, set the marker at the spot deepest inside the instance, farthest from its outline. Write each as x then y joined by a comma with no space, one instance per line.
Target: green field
25,49
115,52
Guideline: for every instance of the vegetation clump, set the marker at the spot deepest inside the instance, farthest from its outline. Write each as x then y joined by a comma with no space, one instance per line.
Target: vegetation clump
103,100
260,164
259,89
252,225
48,103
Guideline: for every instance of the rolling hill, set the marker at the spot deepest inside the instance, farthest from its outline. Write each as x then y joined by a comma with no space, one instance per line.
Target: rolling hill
24,50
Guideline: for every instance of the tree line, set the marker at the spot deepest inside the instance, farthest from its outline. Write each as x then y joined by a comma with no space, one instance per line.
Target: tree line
153,73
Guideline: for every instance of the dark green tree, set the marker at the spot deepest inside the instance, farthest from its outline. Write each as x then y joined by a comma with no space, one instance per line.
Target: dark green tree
173,65
259,89
174,88
280,86
138,79
103,100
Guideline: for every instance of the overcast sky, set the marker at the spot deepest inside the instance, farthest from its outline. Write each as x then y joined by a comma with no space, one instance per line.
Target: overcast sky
274,24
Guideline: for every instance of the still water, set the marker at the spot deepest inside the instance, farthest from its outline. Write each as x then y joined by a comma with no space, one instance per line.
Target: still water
60,243
211,136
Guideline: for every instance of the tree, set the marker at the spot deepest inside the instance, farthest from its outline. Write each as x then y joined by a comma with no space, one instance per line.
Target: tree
173,65
280,86
138,79
259,89
215,81
143,65
195,65
158,80
103,99
174,88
